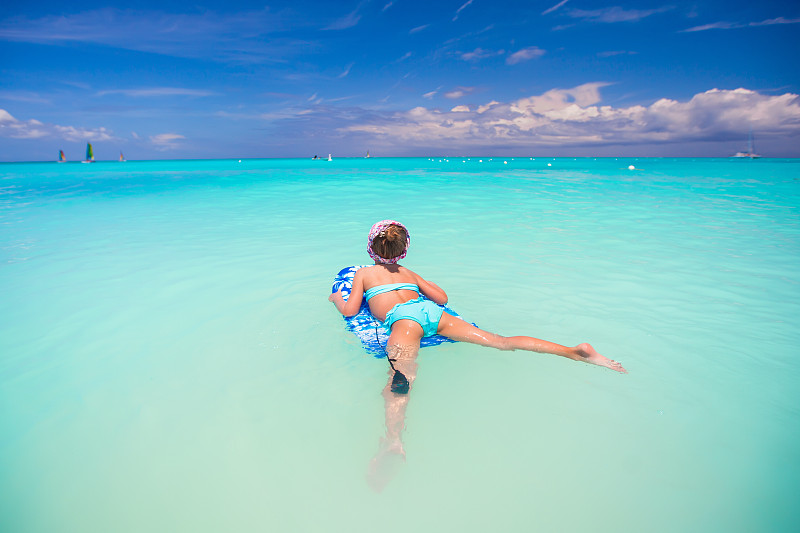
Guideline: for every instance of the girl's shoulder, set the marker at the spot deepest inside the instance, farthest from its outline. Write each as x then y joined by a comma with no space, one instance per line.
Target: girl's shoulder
380,274
366,272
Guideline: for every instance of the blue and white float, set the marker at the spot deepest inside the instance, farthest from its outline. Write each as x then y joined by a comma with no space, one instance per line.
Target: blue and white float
367,328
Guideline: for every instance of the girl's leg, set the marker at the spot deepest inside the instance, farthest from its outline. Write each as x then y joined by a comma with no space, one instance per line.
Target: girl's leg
403,348
458,330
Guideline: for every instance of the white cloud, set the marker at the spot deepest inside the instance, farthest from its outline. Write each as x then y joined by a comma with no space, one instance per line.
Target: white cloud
71,133
612,53
714,26
346,71
166,141
479,53
570,117
430,95
35,129
348,21
458,92
230,37
157,92
779,20
546,11
485,107
525,54
723,25
615,14
418,28
28,97
460,9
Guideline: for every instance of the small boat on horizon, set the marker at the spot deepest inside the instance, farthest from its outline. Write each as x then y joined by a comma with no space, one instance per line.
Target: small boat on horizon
89,154
121,157
749,154
367,156
61,157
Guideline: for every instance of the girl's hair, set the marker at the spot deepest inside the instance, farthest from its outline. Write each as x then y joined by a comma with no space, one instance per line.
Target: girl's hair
391,242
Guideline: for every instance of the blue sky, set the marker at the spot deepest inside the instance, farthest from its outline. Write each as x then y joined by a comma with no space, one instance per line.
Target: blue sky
398,78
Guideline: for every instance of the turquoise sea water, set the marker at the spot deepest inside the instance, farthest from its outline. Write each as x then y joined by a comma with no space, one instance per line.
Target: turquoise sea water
169,360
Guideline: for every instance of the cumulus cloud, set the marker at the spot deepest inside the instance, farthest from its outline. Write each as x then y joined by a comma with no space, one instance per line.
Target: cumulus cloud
166,141
574,117
525,54
34,129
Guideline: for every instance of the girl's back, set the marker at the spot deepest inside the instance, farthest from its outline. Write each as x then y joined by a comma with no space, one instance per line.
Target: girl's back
382,275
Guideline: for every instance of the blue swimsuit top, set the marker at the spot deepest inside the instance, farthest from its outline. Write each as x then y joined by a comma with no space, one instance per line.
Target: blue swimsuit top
380,289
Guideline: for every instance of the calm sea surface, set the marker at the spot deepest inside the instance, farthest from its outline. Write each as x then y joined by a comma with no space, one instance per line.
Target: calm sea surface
169,360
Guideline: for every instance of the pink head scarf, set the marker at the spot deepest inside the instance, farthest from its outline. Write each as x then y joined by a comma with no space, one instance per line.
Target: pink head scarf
377,229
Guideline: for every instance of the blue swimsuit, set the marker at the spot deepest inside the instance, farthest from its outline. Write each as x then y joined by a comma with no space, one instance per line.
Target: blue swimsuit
424,312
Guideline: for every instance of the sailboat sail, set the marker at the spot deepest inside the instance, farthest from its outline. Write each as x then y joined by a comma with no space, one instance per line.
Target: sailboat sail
61,157
121,157
89,152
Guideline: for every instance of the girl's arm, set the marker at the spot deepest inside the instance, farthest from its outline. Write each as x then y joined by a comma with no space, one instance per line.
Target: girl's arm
431,290
353,303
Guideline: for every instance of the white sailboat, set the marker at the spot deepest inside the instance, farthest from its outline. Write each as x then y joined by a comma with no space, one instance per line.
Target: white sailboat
749,154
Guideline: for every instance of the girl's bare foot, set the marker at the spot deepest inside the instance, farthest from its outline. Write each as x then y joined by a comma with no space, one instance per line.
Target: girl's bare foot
590,355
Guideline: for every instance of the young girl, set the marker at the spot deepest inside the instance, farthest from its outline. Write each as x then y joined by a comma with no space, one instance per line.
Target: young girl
393,294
